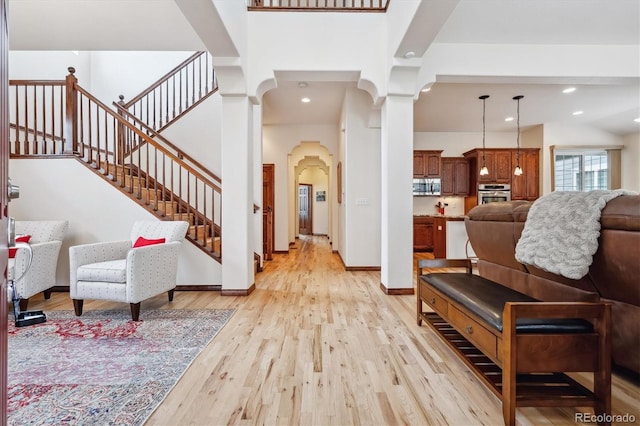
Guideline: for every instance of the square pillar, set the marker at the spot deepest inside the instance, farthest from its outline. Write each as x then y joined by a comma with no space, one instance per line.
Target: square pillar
237,196
397,196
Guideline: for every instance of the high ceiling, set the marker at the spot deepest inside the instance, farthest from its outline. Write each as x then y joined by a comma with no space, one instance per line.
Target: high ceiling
452,105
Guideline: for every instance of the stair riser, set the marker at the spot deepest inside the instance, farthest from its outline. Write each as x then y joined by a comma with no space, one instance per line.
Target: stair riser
199,232
167,207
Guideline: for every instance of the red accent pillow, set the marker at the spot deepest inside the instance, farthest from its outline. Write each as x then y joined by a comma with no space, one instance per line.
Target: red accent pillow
19,239
142,241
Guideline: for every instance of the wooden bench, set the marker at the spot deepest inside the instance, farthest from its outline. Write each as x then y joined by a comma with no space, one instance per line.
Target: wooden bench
519,347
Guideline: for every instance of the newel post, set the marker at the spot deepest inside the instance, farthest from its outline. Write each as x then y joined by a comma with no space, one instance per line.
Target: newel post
71,114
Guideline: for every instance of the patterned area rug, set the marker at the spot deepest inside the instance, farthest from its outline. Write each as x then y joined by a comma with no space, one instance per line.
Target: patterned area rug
102,368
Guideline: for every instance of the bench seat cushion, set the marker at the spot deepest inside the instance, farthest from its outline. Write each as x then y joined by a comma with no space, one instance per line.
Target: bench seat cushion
486,299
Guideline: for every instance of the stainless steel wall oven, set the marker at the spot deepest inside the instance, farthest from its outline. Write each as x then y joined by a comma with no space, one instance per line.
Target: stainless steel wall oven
493,192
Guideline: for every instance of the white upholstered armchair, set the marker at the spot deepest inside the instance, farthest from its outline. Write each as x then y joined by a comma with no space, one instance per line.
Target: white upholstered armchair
45,238
128,271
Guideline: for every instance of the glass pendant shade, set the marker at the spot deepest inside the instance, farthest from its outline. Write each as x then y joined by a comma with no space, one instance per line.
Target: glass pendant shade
518,170
484,170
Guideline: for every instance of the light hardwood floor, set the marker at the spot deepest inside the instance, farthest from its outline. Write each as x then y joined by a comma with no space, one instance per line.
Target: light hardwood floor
316,345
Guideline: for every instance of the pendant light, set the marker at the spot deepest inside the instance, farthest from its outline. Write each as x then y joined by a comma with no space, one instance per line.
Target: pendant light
518,170
484,170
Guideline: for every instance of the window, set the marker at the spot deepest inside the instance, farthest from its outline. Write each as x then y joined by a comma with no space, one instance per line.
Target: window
586,168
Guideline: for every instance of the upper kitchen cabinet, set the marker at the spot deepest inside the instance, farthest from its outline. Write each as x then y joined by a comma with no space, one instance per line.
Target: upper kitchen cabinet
455,176
527,185
426,164
498,162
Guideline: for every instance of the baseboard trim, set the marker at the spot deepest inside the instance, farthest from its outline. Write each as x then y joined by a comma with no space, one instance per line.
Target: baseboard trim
356,268
361,268
232,292
396,291
216,287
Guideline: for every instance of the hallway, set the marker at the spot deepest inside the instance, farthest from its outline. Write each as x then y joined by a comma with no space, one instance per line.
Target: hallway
316,345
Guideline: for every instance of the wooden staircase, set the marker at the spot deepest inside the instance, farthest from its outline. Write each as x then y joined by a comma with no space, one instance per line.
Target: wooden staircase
123,151
166,206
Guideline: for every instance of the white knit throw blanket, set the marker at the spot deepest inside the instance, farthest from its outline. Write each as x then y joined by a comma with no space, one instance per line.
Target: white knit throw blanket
561,232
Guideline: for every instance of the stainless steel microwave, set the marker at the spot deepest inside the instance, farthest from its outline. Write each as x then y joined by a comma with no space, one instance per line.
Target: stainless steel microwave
424,187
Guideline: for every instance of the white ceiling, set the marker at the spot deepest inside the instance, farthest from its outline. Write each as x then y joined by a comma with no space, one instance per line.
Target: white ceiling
451,105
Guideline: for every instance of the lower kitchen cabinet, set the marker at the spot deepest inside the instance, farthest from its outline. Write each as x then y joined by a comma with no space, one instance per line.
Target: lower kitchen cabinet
423,237
440,237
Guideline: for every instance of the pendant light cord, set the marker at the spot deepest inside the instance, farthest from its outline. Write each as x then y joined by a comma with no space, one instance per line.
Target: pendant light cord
484,99
517,99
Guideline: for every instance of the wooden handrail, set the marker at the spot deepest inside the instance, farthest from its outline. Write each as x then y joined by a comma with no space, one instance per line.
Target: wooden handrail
144,136
157,174
175,93
162,79
157,136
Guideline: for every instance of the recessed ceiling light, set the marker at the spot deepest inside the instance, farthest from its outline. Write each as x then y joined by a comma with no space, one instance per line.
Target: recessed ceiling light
637,120
508,119
578,112
303,84
305,100
410,54
569,90
426,89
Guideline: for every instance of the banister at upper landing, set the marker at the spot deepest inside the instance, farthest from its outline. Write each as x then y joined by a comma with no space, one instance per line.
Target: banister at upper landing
318,5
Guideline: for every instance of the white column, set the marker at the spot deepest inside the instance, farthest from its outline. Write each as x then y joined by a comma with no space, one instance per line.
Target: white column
397,197
237,195
257,180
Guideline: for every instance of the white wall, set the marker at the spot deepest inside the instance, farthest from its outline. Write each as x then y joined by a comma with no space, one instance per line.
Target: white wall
281,41
105,74
361,170
128,73
50,65
66,189
199,133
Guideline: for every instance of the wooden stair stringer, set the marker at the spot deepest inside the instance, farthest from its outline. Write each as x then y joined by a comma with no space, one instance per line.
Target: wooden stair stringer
204,244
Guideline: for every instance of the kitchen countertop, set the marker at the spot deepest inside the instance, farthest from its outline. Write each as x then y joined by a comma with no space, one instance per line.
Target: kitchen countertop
446,216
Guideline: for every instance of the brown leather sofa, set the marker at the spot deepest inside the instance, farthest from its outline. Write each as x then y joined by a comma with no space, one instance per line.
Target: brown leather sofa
614,275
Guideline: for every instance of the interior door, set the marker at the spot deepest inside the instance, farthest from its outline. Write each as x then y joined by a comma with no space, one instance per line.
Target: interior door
304,208
268,202
4,166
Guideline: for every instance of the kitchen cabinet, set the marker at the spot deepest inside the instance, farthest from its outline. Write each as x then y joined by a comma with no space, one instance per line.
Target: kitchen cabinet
498,162
440,237
527,185
455,176
426,164
524,187
423,233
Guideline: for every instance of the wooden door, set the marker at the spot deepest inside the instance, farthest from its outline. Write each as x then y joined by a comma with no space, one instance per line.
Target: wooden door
268,203
305,192
4,166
